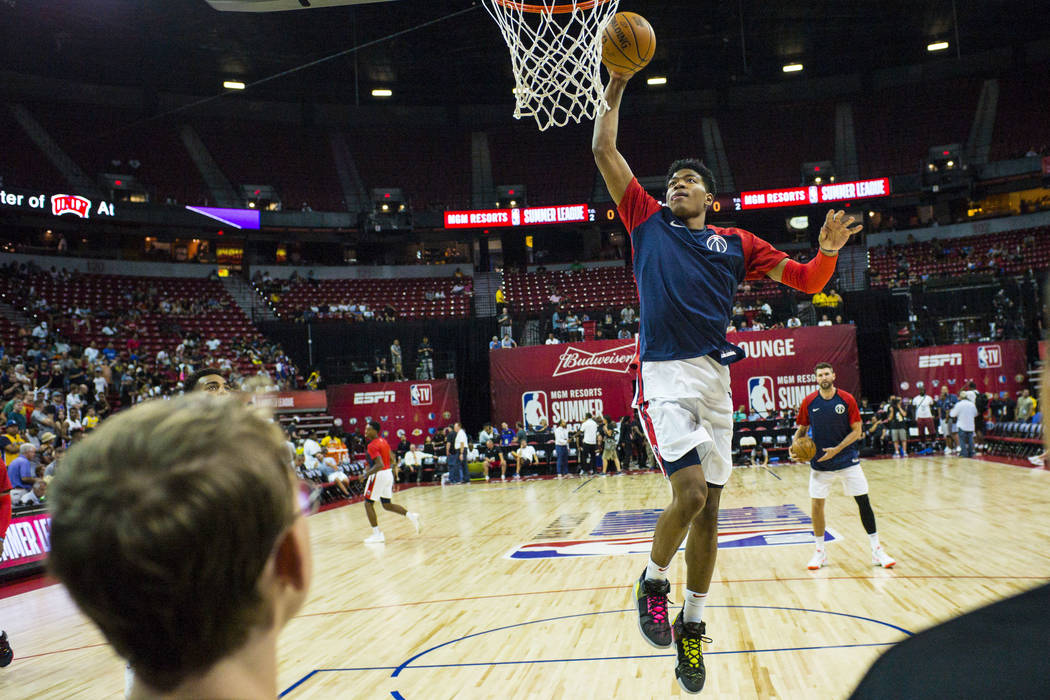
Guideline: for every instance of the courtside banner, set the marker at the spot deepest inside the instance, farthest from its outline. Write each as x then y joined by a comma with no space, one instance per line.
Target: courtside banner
289,401
563,382
419,408
28,540
994,366
778,370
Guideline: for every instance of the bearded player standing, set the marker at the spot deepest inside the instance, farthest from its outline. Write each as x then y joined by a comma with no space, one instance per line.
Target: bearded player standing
687,274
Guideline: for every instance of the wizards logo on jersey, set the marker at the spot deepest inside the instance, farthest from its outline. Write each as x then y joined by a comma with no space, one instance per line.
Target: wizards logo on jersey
630,532
534,408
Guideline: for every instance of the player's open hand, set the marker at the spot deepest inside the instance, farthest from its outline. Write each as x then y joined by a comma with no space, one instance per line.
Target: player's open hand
837,229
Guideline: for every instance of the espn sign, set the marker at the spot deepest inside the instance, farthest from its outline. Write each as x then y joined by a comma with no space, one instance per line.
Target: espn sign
370,397
949,359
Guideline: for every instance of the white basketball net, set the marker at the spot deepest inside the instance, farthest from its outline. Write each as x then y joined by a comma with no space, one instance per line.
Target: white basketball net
555,51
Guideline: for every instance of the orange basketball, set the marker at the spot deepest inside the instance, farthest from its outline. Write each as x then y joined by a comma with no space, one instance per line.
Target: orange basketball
804,449
628,43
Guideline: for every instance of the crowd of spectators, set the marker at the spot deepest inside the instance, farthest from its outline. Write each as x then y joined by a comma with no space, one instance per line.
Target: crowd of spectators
346,306
54,388
915,262
926,423
595,445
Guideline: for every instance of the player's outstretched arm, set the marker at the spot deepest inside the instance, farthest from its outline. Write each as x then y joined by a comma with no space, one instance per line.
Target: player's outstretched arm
811,277
614,169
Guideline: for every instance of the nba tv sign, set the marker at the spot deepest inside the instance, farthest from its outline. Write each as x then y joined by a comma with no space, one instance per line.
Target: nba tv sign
421,394
989,356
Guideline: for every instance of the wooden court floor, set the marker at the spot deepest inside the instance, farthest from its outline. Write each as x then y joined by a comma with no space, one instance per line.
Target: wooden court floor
451,614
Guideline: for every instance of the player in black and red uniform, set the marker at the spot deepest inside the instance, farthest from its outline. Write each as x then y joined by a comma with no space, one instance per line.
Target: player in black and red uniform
834,418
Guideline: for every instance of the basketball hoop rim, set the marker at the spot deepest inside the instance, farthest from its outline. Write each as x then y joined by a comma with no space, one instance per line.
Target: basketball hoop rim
555,9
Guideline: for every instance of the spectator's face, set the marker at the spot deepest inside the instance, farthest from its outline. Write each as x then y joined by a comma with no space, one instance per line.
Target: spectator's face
214,384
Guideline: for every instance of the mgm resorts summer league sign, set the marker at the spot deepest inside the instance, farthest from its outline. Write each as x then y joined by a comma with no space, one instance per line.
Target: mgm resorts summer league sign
56,204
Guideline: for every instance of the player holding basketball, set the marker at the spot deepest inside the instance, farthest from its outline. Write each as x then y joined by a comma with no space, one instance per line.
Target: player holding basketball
380,484
687,274
835,419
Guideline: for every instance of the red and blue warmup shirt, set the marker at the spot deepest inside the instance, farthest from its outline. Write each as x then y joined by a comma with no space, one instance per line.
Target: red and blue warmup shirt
830,421
379,448
687,279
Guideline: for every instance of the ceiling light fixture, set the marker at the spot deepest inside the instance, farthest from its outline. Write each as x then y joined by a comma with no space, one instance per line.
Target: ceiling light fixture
792,68
937,46
233,84
658,80
382,92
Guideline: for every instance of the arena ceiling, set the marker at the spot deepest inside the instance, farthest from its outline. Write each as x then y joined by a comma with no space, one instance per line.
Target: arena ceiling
185,46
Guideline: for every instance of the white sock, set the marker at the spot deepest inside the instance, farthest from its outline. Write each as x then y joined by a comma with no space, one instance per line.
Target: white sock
375,530
819,541
654,572
693,611
874,537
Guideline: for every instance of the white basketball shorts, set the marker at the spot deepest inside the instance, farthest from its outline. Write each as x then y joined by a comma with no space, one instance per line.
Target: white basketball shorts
380,485
683,404
853,481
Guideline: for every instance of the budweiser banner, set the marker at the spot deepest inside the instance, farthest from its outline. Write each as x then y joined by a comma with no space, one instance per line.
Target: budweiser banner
564,382
417,408
995,367
561,382
292,401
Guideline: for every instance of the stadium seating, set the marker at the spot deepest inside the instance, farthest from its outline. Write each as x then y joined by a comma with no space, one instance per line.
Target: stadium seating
95,135
297,162
923,259
1014,439
587,290
599,288
155,330
10,340
407,296
1016,133
895,128
23,165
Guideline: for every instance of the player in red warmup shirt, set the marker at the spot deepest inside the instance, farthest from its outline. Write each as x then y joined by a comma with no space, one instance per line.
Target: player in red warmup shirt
687,274
380,484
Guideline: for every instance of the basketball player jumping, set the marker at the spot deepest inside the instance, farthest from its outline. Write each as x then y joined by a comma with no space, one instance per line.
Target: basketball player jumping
835,418
380,484
687,274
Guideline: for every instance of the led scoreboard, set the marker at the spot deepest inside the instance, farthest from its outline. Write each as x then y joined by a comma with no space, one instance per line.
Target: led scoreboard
723,204
813,194
521,216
